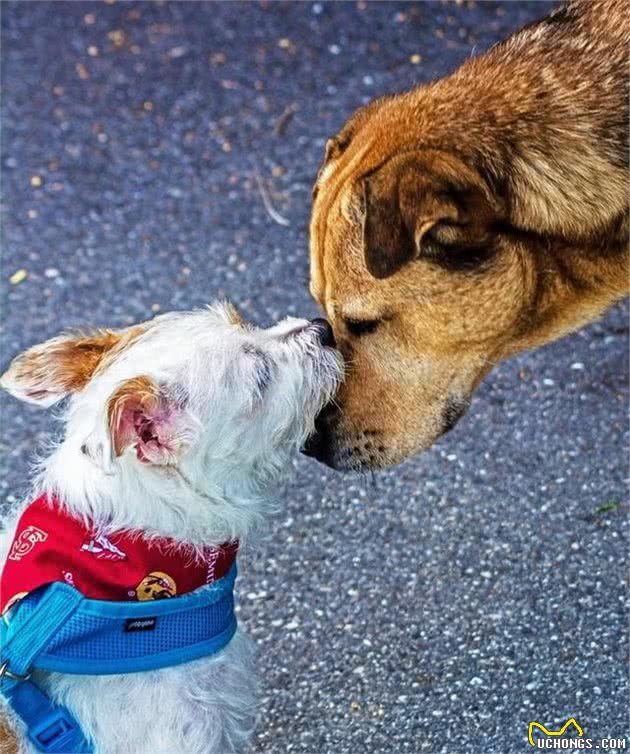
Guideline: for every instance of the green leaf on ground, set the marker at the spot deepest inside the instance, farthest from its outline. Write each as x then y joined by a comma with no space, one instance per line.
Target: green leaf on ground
607,507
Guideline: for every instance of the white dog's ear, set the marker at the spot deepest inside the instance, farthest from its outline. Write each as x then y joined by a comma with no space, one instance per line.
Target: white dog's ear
141,416
48,372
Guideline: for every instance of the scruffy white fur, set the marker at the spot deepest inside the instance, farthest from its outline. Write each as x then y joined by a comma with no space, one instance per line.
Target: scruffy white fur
246,400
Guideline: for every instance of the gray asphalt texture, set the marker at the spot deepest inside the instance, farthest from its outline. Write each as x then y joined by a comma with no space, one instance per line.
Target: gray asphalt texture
440,606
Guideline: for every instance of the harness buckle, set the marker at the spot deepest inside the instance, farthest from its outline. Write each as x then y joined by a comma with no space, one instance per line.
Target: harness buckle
56,732
6,673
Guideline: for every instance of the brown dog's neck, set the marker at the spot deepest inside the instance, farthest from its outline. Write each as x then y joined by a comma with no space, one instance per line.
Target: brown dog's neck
568,285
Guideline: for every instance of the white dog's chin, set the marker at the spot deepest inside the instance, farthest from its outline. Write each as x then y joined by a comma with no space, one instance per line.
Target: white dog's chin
180,427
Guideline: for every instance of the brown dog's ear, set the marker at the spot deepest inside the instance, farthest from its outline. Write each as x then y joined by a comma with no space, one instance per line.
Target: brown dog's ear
46,373
388,225
423,204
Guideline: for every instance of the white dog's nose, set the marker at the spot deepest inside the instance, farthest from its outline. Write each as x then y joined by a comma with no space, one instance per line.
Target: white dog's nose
324,331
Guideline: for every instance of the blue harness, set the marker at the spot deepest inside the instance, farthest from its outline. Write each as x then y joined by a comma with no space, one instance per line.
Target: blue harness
56,629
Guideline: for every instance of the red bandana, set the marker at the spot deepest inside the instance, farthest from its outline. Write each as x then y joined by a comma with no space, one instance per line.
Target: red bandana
50,545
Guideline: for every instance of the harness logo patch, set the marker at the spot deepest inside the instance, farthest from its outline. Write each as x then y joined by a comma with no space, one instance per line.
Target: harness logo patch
26,541
132,625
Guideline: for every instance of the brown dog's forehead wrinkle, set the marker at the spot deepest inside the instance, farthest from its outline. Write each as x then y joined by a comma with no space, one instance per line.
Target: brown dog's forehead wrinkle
331,229
327,207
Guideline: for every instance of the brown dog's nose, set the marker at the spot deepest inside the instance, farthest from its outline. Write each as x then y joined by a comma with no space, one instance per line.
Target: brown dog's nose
324,331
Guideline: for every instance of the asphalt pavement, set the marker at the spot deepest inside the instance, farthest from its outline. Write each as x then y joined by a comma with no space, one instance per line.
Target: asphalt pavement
441,606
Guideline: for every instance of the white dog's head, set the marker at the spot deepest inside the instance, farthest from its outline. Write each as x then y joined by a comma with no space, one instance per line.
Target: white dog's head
200,393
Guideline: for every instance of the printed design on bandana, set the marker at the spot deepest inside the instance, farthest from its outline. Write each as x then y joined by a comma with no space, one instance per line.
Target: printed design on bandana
51,545
156,586
103,549
26,541
213,557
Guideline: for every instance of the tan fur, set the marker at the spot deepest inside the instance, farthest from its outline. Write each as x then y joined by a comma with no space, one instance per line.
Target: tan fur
234,315
66,364
474,217
8,741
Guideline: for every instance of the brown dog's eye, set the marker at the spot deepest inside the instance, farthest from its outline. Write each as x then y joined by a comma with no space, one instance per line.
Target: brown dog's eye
359,327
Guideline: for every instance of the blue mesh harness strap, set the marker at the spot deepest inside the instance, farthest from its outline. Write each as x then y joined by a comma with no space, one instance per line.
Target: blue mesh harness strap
57,629
50,728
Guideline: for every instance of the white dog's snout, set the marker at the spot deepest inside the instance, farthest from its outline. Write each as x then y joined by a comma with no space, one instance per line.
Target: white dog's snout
319,328
289,328
294,332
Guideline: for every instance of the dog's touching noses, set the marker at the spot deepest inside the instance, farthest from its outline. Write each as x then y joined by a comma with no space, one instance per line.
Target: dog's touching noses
317,444
324,331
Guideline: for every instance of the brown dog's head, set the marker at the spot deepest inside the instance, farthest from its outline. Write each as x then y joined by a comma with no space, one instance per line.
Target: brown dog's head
466,220
419,290
425,278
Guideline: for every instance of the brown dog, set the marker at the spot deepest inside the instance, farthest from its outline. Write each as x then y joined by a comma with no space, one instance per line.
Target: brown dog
467,220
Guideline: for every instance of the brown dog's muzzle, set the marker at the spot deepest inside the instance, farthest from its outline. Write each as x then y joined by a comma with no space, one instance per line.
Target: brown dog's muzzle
368,449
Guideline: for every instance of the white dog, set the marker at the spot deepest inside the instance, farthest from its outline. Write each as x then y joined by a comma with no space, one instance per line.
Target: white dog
176,430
